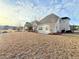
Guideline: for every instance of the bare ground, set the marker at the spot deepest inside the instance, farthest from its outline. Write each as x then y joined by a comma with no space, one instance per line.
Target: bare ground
27,45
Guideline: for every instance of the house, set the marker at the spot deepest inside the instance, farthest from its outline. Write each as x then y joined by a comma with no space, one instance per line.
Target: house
64,24
52,24
35,25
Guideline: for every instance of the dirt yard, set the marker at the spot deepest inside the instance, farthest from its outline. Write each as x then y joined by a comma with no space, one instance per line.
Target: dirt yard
27,45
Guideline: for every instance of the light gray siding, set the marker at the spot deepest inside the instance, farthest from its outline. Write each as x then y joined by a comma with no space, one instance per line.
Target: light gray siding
64,25
45,29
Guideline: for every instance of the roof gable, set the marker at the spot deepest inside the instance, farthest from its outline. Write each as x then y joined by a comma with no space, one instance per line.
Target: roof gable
52,18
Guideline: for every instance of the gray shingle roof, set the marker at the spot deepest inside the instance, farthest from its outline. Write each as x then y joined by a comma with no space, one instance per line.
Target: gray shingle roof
52,18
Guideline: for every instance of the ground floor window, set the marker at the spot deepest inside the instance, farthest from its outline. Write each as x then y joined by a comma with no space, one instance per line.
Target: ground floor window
40,28
46,28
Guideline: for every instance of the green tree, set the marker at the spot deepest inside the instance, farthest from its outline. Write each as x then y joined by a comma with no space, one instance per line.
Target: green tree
28,25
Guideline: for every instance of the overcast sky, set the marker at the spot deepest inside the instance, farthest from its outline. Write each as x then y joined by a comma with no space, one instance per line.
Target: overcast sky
14,12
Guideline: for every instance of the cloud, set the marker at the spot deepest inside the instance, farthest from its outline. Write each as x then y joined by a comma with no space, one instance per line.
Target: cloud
7,14
29,10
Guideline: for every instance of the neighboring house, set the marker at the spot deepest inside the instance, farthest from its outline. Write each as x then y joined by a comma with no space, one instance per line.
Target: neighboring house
64,24
35,25
51,24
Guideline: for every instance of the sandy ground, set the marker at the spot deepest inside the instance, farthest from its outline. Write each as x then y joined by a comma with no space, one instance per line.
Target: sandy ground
27,45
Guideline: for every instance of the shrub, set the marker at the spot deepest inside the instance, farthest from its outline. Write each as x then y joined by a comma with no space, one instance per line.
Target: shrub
69,31
4,32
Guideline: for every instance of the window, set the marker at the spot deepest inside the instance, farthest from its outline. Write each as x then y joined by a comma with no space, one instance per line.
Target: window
40,28
56,27
46,28
60,21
